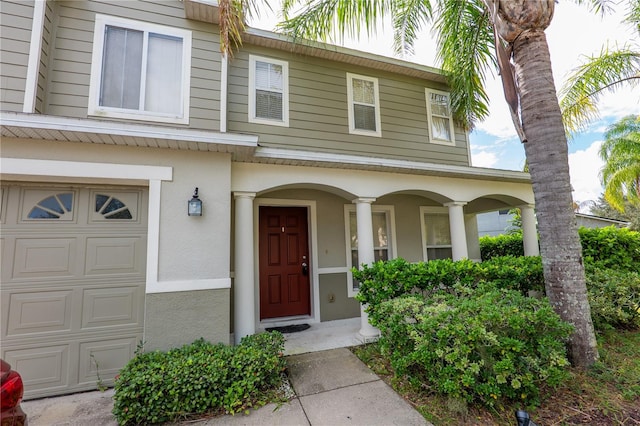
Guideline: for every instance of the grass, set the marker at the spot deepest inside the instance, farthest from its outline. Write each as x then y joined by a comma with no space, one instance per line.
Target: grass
606,394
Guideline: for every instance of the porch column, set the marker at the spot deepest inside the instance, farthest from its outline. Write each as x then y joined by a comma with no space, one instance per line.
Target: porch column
458,234
365,255
244,320
529,231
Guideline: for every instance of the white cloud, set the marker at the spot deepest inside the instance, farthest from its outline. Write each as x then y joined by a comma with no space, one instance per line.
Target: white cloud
584,168
483,159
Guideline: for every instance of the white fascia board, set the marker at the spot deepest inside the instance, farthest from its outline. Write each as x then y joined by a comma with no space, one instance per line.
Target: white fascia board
49,122
323,157
23,166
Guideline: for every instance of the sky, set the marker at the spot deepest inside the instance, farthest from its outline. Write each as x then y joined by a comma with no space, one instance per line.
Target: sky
575,33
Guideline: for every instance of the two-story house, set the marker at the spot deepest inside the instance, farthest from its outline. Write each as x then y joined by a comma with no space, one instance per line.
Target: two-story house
309,159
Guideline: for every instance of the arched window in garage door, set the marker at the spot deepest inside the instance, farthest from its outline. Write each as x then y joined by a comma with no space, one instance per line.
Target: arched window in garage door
111,207
57,206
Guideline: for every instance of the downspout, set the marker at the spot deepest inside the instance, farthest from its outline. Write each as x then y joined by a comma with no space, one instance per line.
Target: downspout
35,52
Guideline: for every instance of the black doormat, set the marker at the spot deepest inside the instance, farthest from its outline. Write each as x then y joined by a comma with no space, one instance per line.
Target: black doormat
290,328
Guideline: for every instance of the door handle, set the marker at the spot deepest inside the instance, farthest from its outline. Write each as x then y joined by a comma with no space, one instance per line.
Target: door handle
305,268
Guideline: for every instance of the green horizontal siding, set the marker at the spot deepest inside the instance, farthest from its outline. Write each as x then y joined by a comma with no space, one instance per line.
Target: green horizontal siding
15,35
68,77
318,115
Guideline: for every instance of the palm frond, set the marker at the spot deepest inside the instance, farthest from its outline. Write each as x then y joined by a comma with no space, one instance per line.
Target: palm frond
601,7
620,151
606,72
465,48
633,15
332,20
409,17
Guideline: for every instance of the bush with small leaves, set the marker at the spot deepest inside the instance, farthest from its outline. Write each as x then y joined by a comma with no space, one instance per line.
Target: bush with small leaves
156,387
611,247
501,245
614,297
485,346
522,273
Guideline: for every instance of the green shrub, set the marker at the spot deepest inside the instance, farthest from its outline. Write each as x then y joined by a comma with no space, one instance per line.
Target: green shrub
611,247
614,297
386,280
383,281
157,387
501,245
515,273
485,346
608,247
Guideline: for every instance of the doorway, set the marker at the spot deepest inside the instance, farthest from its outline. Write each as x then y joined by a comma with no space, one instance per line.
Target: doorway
284,262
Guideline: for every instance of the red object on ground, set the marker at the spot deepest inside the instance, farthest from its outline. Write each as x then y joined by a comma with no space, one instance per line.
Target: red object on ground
10,397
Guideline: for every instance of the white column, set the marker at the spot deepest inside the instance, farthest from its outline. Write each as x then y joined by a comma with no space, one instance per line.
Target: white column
244,323
529,231
366,255
458,233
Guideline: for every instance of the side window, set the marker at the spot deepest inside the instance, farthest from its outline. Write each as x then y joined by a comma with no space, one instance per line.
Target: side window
439,115
268,91
140,71
436,234
364,105
383,227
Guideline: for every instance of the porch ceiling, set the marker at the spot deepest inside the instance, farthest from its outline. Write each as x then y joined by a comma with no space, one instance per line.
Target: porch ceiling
353,162
52,128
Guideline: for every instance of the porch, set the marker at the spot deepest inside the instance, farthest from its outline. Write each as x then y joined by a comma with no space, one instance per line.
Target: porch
322,336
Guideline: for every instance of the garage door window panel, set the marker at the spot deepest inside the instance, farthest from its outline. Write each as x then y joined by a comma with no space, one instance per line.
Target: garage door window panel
56,206
121,206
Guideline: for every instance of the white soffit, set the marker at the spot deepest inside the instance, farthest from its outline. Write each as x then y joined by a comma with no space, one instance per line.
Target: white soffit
47,127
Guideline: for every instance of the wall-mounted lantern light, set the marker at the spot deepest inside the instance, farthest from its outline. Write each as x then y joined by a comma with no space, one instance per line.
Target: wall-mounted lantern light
194,206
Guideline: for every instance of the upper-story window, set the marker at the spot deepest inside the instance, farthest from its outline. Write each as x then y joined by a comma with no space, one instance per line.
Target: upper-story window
439,112
140,71
364,105
268,91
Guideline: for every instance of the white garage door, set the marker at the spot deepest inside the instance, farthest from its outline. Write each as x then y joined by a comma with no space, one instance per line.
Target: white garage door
73,274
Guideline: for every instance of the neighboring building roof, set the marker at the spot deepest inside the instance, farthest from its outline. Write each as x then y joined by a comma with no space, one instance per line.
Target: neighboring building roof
606,221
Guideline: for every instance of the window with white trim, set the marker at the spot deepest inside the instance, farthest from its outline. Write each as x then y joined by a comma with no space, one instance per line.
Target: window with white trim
268,91
436,234
383,229
364,105
140,71
439,114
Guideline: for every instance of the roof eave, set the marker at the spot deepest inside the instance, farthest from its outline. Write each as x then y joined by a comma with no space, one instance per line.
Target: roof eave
66,129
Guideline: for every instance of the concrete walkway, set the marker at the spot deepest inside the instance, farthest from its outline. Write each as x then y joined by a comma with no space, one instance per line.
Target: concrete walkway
332,387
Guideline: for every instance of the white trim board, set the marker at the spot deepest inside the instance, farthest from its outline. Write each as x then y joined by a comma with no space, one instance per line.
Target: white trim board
35,52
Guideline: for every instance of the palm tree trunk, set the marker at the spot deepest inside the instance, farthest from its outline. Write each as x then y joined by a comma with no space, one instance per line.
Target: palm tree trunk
547,156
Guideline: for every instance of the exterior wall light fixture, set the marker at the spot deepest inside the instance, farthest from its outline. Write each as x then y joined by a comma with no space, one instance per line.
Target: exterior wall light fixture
194,205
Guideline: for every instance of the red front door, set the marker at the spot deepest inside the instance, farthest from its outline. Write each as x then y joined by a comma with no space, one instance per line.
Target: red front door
284,262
